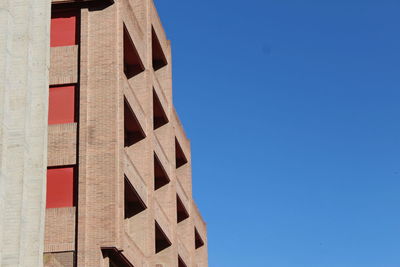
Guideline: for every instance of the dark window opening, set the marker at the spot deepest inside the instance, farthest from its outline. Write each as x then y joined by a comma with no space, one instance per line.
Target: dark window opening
159,59
133,131
182,213
162,241
160,176
198,240
133,203
179,155
181,263
132,63
159,116
116,258
113,263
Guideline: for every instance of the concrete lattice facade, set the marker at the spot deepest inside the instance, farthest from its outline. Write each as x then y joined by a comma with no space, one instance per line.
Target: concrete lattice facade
124,145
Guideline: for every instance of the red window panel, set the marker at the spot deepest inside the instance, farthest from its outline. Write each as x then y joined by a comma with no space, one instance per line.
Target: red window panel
60,187
64,27
62,104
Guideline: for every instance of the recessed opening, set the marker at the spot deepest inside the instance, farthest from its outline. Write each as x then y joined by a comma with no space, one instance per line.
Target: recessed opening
159,59
132,63
162,241
182,213
133,203
117,261
181,263
61,189
133,131
113,263
160,175
159,116
116,257
62,104
64,29
198,240
179,155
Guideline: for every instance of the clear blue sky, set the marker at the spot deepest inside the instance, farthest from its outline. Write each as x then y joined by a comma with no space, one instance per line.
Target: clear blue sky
293,111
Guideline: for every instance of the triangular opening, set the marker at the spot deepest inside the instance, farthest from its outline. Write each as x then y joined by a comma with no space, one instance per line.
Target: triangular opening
162,241
198,240
160,175
182,213
116,258
132,63
133,131
119,261
159,59
159,116
133,203
181,263
179,155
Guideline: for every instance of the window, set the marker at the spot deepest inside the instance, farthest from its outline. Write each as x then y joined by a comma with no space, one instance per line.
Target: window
181,263
62,104
198,240
160,176
60,187
116,257
133,131
159,59
159,116
133,203
64,28
132,63
182,213
162,242
180,157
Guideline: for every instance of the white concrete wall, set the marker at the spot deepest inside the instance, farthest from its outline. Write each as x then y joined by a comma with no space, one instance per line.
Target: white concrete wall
24,64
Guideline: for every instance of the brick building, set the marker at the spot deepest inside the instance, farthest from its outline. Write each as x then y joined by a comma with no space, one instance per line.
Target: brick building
119,189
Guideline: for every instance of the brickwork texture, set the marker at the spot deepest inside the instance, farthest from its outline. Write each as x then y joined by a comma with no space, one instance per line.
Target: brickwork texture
130,152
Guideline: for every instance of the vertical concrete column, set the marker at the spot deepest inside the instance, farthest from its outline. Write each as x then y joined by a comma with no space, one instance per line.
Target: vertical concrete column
24,66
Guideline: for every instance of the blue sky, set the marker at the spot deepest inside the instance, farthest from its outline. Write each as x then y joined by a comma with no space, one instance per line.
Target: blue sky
292,108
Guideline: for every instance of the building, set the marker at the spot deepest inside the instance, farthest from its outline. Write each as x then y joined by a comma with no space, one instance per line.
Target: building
119,164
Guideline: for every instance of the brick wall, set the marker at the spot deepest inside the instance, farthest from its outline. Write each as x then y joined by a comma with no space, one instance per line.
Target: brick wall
94,143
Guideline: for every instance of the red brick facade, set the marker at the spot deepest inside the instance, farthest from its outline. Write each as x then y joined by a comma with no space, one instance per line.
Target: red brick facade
119,189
